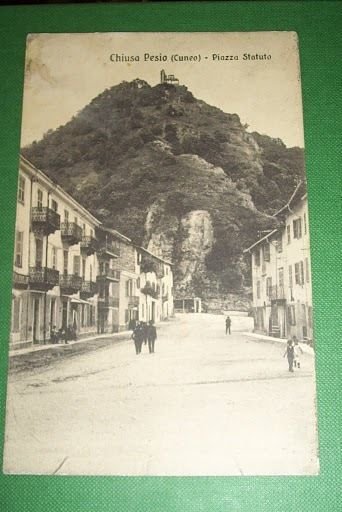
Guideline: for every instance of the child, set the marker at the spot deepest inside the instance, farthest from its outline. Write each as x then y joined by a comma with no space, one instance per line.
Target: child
289,352
297,352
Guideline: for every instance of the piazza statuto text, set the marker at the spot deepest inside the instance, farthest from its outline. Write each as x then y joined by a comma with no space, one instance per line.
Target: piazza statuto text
177,57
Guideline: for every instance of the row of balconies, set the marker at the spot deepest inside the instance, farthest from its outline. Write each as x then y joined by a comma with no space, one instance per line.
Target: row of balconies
44,278
46,221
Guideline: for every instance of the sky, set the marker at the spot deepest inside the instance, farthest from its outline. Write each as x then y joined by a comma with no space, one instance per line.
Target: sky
64,72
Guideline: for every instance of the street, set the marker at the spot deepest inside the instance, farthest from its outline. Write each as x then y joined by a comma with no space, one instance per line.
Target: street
204,403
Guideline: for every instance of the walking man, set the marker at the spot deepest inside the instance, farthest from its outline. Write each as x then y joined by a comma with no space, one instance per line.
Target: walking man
289,352
137,337
151,336
228,324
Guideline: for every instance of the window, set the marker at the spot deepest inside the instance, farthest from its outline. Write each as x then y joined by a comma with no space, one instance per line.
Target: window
268,286
16,312
21,189
258,289
126,316
84,229
266,252
307,270
54,205
65,262
39,252
291,315
257,258
288,233
54,257
19,249
290,277
297,274
302,279
138,283
76,220
297,228
310,317
83,268
129,288
143,310
91,272
77,262
40,199
66,216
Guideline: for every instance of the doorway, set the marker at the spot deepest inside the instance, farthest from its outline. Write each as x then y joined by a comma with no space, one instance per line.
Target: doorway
35,320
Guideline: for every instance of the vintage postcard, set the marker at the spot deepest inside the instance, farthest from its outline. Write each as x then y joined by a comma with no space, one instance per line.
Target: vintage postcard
161,300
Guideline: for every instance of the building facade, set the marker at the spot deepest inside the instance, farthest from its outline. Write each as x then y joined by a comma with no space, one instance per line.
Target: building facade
71,272
281,274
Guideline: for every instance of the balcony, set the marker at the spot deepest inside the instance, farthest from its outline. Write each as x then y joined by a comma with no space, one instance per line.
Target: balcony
71,233
43,278
70,284
20,280
88,245
88,289
108,250
108,273
277,293
133,301
108,302
44,221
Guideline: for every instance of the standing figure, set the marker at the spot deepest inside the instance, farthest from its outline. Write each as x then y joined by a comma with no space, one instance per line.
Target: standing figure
289,352
297,352
228,324
137,337
145,332
152,336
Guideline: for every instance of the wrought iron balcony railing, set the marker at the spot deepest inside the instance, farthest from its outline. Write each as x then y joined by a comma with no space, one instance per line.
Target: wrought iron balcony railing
88,245
44,220
88,289
109,250
71,233
133,301
70,283
277,292
43,278
108,273
108,302
20,280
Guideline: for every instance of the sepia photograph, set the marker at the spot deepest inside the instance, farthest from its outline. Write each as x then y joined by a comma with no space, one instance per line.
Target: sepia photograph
162,317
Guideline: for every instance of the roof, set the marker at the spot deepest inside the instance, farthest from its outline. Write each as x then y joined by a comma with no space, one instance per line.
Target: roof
115,233
266,237
153,255
298,194
30,168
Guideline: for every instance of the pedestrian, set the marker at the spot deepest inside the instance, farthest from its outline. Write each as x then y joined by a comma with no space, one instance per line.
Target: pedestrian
54,335
145,332
137,337
289,352
228,324
297,352
152,336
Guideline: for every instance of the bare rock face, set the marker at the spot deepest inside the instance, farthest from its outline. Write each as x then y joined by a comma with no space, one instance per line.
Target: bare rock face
197,242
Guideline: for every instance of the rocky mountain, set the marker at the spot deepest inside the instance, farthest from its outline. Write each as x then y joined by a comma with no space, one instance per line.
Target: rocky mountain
175,174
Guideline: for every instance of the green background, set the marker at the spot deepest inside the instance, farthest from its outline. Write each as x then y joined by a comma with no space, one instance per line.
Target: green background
318,25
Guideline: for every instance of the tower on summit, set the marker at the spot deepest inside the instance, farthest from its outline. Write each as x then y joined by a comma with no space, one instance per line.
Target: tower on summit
168,79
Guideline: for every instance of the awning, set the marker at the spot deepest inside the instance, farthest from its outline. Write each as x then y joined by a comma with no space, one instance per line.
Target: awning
80,301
